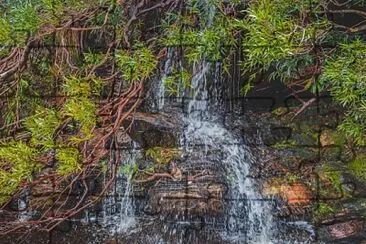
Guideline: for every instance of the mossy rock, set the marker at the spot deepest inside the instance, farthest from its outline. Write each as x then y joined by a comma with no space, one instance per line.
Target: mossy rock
357,167
322,210
280,111
162,155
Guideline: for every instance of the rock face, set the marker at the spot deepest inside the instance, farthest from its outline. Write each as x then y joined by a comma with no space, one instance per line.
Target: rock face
182,190
293,194
152,130
197,193
198,190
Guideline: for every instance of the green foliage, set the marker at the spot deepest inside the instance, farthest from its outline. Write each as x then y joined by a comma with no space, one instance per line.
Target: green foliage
344,76
76,87
80,106
332,174
68,161
23,18
276,35
176,80
358,167
42,126
246,88
211,42
83,111
279,39
137,64
5,31
93,58
18,163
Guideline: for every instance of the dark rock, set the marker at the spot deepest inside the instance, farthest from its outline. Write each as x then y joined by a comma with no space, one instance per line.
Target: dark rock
153,130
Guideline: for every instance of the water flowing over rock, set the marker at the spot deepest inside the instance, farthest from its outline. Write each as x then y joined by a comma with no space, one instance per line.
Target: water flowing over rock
208,194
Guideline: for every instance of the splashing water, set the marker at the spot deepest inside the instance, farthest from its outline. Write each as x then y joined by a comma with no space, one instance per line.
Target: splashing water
248,217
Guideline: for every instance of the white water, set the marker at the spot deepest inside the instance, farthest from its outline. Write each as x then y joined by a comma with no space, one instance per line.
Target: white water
249,219
160,88
121,196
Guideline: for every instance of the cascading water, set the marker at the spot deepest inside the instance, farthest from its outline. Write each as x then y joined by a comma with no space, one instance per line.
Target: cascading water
205,138
248,218
118,206
160,88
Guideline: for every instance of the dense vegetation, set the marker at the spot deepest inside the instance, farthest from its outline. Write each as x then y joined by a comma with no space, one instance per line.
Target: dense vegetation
72,71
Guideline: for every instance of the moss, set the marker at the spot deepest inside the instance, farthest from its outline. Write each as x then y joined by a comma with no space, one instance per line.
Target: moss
330,185
284,145
339,138
279,111
18,163
323,209
293,177
358,167
331,173
163,155
128,170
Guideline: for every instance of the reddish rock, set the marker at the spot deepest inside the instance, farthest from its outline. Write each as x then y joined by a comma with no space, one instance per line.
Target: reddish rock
296,193
293,194
346,229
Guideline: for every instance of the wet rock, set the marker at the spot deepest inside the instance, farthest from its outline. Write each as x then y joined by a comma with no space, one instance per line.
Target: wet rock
296,193
346,229
153,130
296,197
113,241
198,192
195,199
281,133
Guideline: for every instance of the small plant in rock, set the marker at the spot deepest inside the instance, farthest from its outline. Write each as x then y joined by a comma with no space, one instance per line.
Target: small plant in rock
323,210
129,170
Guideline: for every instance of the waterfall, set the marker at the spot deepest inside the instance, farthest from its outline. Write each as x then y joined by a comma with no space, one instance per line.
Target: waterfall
248,218
159,94
118,206
204,138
